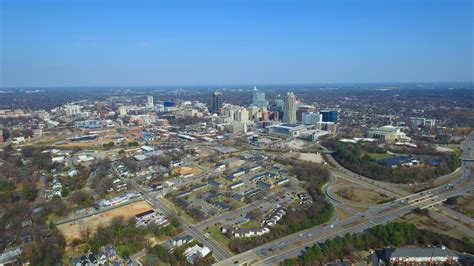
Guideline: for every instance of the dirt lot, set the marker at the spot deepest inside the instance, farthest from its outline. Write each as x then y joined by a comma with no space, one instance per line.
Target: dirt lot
311,157
79,228
184,170
203,153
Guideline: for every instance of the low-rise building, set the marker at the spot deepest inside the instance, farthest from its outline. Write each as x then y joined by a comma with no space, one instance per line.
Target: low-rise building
196,252
386,133
418,256
236,184
181,240
286,130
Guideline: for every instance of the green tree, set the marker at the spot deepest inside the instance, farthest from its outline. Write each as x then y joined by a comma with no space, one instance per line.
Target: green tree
64,192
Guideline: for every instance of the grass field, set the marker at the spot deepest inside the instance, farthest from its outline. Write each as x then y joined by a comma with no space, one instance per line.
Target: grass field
465,204
360,195
216,234
343,214
428,223
250,224
378,156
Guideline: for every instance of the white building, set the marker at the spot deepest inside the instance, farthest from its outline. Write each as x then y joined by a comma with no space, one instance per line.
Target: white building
289,109
72,109
150,103
241,115
123,110
196,252
421,256
311,118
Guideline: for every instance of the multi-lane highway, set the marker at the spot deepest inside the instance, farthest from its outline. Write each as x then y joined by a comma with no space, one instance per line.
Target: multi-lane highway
292,245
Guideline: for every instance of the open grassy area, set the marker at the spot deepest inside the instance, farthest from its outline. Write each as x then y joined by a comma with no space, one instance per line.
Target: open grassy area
250,224
152,260
378,156
428,223
215,233
360,195
465,204
343,214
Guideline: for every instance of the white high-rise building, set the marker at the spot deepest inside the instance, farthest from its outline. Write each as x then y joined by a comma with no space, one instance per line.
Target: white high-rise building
150,103
289,109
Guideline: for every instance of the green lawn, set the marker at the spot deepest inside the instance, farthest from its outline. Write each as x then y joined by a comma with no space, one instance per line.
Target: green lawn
216,234
378,156
250,224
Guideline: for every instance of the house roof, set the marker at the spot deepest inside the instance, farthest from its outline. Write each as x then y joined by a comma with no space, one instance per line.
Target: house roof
144,213
420,252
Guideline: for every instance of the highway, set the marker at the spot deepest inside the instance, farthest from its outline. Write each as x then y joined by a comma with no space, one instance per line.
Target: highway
373,217
292,245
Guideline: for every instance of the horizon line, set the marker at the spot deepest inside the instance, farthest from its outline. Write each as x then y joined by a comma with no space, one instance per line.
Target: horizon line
238,84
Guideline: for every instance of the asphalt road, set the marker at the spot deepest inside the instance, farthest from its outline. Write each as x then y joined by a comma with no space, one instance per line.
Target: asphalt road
292,245
218,251
324,233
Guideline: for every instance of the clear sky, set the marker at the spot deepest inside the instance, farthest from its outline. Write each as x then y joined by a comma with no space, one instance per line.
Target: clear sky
112,42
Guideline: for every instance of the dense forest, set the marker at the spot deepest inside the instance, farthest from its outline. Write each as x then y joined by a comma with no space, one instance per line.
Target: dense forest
380,236
355,158
297,219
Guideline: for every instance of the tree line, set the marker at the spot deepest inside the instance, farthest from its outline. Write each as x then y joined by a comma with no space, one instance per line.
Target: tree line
393,234
355,158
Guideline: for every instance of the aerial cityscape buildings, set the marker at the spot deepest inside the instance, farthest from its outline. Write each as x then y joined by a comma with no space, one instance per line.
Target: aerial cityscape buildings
217,101
236,133
289,109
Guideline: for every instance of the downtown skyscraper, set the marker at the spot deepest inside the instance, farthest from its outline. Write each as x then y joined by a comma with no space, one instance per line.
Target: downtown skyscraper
289,109
258,98
217,101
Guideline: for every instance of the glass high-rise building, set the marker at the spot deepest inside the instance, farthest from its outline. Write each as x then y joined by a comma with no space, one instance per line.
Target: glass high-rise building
217,101
329,115
258,98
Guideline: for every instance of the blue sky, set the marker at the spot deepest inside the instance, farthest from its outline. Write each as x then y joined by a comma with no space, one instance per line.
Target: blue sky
127,43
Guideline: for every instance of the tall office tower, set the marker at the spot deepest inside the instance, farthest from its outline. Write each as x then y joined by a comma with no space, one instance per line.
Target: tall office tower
289,109
258,98
149,103
330,115
217,101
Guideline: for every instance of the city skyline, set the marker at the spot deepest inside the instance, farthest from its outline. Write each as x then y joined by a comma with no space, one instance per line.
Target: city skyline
96,43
